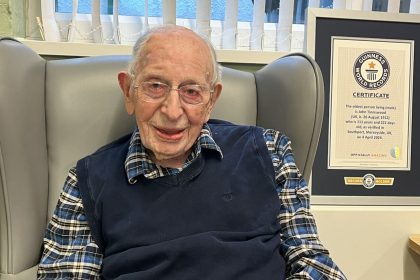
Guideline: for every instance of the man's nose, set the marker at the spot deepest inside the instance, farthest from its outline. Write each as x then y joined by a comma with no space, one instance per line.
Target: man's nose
172,106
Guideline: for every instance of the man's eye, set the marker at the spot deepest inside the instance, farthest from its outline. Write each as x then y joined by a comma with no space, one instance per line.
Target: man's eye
192,92
156,86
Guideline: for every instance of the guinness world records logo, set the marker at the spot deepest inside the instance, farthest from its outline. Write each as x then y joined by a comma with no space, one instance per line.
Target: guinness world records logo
369,181
371,70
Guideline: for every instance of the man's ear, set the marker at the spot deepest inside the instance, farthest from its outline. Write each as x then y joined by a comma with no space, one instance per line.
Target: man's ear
215,95
124,79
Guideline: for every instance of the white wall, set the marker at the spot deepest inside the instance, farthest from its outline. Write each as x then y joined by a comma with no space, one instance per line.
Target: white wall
370,242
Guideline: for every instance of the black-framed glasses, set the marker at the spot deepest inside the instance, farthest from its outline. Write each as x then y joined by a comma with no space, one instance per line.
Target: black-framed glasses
155,92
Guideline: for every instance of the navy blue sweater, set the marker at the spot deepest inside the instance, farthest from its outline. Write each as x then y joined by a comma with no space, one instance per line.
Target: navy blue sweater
217,219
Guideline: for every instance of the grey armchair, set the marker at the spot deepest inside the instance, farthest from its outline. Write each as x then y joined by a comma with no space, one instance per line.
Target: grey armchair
54,112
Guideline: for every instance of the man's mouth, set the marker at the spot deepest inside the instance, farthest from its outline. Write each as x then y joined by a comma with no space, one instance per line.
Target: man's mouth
170,133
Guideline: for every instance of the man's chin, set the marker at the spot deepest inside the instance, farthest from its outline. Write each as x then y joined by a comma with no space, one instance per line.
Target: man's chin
170,158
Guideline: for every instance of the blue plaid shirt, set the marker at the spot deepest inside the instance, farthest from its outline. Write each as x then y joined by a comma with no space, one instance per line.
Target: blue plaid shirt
71,253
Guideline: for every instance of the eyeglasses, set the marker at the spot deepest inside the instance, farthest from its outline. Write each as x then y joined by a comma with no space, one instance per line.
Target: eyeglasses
155,92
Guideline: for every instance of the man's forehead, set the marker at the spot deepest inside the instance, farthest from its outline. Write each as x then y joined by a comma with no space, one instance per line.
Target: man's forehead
185,40
175,48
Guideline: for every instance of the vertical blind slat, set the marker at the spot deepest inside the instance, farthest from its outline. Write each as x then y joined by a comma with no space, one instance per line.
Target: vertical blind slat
146,15
115,23
393,6
51,31
49,24
339,4
230,28
96,21
314,3
367,5
202,23
354,4
284,27
257,27
415,7
169,11
73,25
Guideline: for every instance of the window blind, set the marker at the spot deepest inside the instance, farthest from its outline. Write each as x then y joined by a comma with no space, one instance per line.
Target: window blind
203,12
354,5
115,23
257,28
230,25
50,29
367,5
393,6
96,22
284,27
415,6
339,4
226,33
73,26
169,11
313,3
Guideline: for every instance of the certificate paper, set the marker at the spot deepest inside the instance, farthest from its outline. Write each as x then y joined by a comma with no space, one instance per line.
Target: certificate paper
370,104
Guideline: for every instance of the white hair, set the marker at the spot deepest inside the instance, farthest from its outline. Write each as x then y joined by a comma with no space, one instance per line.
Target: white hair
141,42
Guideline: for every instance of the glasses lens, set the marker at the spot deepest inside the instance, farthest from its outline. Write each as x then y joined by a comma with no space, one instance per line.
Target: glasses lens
153,91
194,94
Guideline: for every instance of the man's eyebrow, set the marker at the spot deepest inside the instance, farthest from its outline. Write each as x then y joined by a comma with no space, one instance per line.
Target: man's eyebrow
183,81
153,76
189,81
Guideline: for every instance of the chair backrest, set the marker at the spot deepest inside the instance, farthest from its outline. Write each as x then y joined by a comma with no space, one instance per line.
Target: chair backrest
54,112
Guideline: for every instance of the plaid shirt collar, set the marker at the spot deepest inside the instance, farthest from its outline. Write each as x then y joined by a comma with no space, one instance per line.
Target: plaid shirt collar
138,162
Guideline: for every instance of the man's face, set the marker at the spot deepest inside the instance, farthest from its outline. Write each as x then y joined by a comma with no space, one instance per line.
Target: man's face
168,129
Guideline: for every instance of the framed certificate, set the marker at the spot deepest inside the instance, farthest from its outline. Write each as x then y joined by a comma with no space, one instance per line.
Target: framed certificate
370,103
366,154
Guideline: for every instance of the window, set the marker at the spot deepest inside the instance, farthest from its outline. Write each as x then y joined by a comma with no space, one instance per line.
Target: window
240,33
262,32
184,8
382,5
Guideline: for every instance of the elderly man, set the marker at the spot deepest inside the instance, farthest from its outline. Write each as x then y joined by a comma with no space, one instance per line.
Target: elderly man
183,197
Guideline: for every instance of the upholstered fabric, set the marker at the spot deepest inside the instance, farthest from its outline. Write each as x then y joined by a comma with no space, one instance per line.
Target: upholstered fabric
53,113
